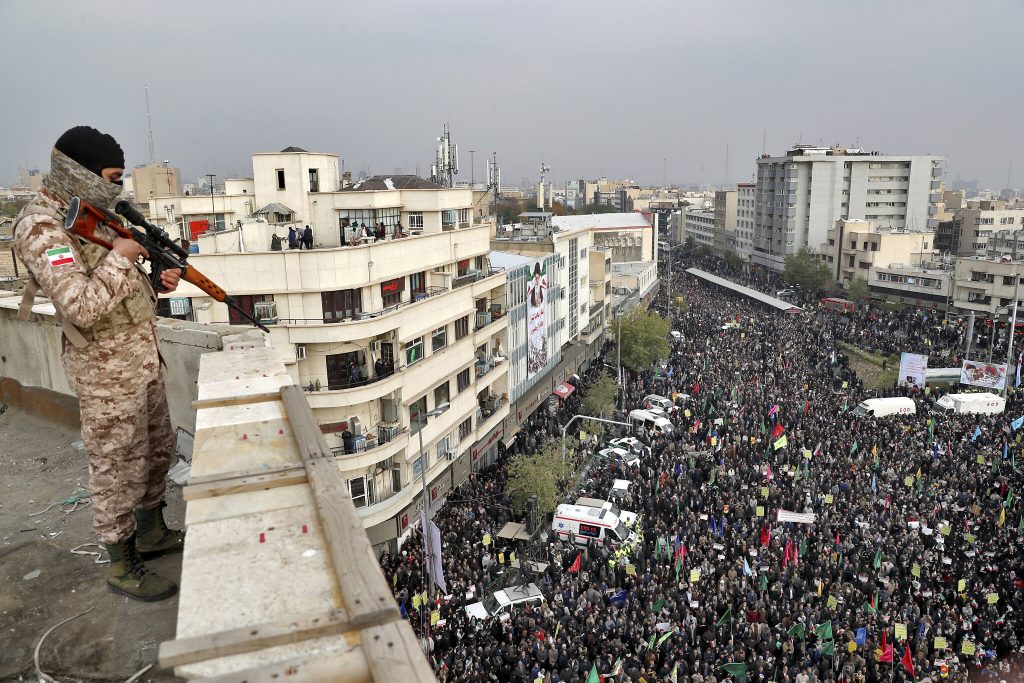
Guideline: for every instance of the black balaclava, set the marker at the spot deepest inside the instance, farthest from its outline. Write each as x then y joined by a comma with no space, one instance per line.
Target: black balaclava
92,149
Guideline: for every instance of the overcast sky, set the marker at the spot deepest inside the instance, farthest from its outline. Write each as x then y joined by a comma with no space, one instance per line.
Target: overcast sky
622,89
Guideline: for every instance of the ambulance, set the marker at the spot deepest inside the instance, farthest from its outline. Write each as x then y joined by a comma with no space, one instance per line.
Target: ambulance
583,524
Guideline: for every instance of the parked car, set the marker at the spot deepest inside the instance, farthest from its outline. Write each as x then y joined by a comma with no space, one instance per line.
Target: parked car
503,601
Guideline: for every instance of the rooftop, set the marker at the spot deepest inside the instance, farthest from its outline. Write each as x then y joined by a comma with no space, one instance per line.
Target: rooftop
601,221
508,260
392,182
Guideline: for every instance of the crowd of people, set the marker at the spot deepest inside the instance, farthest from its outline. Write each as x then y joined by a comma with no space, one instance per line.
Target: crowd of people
898,555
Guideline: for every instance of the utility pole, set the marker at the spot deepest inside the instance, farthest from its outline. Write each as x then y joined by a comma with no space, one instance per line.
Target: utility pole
472,168
1013,330
213,207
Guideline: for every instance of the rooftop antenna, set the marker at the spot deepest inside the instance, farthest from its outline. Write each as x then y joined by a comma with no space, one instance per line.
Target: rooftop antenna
727,165
764,141
446,160
149,125
544,168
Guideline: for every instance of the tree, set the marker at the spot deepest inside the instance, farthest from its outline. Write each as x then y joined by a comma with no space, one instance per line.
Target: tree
644,338
600,397
539,474
858,290
594,208
805,269
557,208
732,259
703,250
688,243
509,209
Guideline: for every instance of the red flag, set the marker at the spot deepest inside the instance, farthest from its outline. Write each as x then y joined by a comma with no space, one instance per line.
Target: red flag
777,431
908,661
696,388
768,472
886,650
576,563
786,552
807,406
837,538
766,536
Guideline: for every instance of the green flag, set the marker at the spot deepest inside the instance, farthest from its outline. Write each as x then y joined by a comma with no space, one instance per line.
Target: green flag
877,562
1020,527
679,567
845,406
868,608
1009,497
650,643
797,630
726,617
803,547
593,677
828,648
824,631
763,583
737,670
853,447
763,428
658,605
668,634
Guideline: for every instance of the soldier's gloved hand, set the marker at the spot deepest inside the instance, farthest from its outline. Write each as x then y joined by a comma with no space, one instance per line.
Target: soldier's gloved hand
130,249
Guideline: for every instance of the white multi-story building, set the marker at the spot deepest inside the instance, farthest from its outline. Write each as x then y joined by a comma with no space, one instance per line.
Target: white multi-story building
379,333
745,220
799,196
700,225
983,221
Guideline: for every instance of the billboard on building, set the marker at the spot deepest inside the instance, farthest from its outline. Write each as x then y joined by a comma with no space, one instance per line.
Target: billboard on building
988,375
536,320
913,369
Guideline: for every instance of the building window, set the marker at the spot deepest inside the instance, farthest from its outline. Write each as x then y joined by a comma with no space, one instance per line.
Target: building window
247,302
465,429
415,219
442,448
418,283
345,370
439,339
463,216
462,381
416,411
280,178
314,180
461,327
441,394
361,492
413,351
391,291
417,468
344,304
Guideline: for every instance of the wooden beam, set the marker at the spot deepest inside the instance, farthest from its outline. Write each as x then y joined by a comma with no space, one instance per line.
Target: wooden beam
241,474
241,485
251,638
349,666
236,400
394,655
359,576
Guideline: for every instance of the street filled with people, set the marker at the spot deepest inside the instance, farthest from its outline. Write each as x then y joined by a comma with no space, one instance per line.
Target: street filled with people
782,534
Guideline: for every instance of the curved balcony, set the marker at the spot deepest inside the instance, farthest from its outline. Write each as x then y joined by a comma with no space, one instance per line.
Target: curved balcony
370,457
333,398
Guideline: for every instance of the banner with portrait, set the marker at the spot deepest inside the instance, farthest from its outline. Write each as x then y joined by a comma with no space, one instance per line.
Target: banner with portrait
913,369
536,319
988,375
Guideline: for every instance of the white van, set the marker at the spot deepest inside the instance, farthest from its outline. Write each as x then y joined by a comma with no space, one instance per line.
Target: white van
583,524
655,401
880,407
648,420
982,403
504,600
611,454
620,489
627,517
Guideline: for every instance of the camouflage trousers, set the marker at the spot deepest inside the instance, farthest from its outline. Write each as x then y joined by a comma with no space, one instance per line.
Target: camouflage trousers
130,444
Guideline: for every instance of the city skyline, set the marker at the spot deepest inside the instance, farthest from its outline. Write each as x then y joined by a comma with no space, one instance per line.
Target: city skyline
659,99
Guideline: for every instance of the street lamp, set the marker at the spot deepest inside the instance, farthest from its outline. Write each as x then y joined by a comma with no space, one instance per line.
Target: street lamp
421,418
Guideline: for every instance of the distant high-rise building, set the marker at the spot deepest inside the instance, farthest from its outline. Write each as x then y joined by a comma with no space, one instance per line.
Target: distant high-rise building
799,196
155,180
745,220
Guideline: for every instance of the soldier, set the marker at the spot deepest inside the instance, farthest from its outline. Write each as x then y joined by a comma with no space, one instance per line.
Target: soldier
109,350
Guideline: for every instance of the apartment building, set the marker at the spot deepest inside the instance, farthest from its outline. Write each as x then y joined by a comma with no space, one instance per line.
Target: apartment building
630,236
853,247
977,222
700,225
926,286
745,193
987,286
154,180
724,234
799,196
378,332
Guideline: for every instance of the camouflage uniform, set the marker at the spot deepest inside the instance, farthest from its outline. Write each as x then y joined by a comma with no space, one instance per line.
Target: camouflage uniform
126,424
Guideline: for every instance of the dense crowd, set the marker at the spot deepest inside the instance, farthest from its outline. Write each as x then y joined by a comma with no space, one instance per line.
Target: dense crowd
911,570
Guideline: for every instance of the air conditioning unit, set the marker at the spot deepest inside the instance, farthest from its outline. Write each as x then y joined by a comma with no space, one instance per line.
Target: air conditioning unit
266,312
375,348
390,335
300,352
389,410
450,455
355,426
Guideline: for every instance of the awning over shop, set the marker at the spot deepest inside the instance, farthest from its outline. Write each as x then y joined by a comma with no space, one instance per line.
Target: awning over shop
563,391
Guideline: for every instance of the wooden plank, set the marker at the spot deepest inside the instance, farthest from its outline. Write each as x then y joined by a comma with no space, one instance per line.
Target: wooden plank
363,586
241,485
236,400
250,638
211,478
394,655
345,667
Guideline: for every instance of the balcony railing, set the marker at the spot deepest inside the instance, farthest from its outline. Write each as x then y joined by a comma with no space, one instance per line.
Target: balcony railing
368,315
487,408
485,365
382,434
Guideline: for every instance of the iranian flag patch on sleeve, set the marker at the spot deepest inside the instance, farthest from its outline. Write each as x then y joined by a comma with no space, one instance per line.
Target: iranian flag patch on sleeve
60,256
